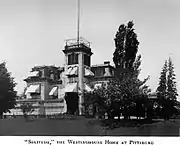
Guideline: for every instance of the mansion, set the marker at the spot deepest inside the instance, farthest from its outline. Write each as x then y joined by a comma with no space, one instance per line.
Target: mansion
54,90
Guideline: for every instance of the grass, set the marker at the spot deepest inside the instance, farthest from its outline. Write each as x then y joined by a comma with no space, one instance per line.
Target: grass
83,126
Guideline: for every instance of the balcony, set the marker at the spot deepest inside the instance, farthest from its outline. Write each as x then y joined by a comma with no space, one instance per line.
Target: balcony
77,43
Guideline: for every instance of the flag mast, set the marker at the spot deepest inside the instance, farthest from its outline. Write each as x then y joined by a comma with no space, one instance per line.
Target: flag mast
78,21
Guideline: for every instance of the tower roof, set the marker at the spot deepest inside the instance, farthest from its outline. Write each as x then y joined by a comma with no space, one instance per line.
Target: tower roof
74,45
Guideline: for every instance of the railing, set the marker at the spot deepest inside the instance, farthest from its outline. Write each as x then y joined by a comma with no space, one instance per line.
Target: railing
77,42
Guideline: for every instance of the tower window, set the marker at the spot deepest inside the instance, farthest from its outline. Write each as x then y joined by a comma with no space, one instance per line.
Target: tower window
87,60
72,58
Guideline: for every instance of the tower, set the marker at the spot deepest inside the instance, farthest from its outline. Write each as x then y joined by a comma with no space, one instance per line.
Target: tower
77,64
77,61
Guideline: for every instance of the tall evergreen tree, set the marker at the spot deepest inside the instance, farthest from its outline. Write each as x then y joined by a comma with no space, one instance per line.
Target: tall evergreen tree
7,93
162,87
171,83
167,91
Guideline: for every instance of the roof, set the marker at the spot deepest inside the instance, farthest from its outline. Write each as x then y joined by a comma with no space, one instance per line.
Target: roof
45,66
75,41
51,67
153,94
102,65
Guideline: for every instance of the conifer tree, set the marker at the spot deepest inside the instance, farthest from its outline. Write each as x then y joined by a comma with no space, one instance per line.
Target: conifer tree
167,91
162,87
171,83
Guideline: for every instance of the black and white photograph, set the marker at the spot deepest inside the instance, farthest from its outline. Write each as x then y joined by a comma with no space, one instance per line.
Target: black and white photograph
90,68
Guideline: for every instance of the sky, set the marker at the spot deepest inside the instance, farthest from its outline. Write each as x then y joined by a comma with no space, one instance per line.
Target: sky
33,32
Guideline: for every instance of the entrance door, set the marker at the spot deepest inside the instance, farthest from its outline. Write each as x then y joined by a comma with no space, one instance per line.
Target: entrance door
72,100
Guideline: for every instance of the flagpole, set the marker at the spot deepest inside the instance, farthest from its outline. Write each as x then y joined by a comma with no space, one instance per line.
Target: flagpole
78,21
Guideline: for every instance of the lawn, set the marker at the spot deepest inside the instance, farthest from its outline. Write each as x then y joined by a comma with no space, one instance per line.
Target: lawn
83,126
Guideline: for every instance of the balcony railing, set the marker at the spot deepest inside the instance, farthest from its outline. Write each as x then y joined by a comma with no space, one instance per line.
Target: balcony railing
75,43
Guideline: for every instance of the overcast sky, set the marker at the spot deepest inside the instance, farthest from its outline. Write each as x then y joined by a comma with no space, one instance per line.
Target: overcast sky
32,32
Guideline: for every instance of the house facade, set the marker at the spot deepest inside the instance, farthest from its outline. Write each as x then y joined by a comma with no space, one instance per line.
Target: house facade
54,90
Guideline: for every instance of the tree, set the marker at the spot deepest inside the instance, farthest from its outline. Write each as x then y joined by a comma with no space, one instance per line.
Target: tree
132,90
120,95
167,91
171,83
96,102
162,90
7,92
162,87
126,44
124,91
27,109
128,91
171,90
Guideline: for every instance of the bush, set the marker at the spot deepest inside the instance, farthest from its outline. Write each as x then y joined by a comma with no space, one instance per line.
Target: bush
62,117
27,109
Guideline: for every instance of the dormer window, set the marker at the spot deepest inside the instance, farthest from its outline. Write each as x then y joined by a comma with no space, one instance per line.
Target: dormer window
72,71
107,72
33,91
54,92
33,74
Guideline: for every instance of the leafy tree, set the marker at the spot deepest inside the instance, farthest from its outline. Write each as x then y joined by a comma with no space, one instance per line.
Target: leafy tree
126,44
129,91
124,92
7,93
27,109
132,91
121,94
96,102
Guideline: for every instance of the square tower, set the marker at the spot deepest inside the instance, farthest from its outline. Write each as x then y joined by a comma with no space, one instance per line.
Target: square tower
77,64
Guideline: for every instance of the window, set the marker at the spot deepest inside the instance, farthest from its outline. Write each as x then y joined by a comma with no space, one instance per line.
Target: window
99,72
72,58
58,75
87,60
35,95
54,92
73,80
76,58
69,59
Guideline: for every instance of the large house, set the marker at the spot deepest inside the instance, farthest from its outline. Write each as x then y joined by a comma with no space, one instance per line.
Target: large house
54,90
